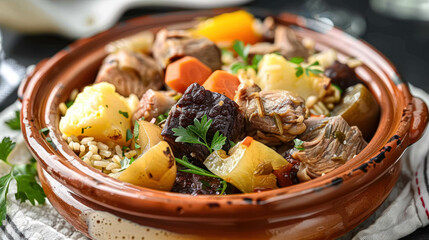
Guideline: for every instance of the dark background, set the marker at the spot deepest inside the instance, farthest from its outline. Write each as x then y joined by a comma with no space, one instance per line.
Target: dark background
404,42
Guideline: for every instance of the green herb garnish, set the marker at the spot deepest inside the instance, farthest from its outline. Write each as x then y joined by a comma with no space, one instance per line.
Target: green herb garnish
197,134
69,103
298,144
25,177
232,144
14,123
199,171
300,70
161,118
337,87
45,131
125,163
129,135
125,148
125,114
205,183
243,52
136,134
83,129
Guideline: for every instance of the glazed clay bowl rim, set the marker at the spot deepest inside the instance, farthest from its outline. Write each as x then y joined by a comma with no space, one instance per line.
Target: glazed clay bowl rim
402,122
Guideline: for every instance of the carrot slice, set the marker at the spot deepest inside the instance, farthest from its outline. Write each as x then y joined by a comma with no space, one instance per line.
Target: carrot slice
247,141
184,72
222,82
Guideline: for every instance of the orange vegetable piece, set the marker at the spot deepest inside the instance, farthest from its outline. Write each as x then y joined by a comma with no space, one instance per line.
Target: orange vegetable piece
222,82
228,27
247,141
184,72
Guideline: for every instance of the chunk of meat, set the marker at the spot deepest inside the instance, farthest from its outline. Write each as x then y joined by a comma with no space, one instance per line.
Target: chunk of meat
342,75
328,144
153,103
262,48
194,104
131,72
276,116
268,28
171,45
290,45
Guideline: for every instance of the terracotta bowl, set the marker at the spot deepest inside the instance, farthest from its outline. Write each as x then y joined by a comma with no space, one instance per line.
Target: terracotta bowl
323,208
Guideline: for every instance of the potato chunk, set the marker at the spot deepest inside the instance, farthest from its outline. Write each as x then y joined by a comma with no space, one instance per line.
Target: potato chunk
248,167
99,112
155,169
149,135
276,73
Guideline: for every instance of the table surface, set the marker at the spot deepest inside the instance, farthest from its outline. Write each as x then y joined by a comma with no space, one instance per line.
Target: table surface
403,42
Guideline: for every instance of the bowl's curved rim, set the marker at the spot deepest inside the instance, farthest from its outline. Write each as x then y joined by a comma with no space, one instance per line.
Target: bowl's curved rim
142,201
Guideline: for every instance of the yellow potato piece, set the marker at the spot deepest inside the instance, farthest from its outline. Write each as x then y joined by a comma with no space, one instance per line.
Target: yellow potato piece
99,112
276,73
248,167
149,135
155,169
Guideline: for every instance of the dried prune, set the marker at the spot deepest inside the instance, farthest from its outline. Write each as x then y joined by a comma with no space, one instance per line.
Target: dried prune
342,75
194,104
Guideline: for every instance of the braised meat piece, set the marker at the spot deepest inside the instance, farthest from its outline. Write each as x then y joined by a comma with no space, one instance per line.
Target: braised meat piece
152,104
171,45
276,116
196,184
290,45
194,104
342,75
131,72
262,48
268,28
328,144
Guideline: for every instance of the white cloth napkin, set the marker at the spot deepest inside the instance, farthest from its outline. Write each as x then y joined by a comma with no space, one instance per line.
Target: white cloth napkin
401,214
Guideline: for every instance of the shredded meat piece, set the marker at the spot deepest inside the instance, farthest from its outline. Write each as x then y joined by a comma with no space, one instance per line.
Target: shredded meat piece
290,45
131,73
171,45
262,48
268,27
328,144
152,104
276,116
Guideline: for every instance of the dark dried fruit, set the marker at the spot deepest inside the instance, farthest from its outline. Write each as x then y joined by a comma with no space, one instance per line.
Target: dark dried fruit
196,184
341,75
194,104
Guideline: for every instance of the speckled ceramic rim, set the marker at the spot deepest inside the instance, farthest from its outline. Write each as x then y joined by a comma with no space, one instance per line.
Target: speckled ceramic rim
403,119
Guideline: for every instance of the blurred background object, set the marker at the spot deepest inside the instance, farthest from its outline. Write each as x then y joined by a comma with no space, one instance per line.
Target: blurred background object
82,18
347,19
403,9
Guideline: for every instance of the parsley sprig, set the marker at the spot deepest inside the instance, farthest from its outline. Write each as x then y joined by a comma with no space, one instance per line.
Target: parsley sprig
300,70
243,52
14,123
199,171
298,144
25,176
125,163
197,134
